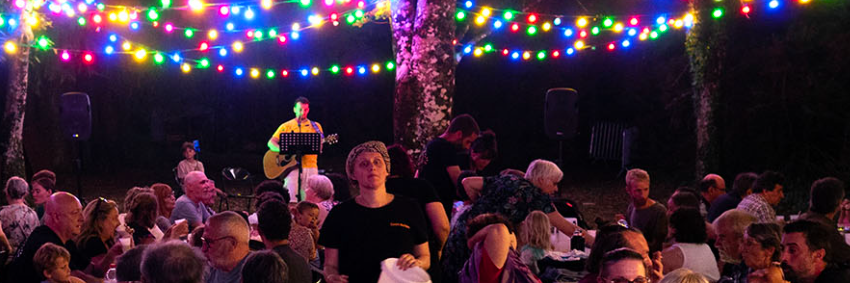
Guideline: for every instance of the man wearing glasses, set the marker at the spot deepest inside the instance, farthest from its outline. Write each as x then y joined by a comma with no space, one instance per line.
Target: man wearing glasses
225,244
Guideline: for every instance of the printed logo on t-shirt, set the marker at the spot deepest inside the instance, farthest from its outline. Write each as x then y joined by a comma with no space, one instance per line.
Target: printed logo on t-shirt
393,224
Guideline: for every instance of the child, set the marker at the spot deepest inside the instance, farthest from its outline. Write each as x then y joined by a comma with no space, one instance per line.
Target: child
320,191
535,235
52,261
305,232
188,164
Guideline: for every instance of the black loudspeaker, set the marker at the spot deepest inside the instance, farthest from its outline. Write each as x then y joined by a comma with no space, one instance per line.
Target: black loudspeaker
560,118
75,112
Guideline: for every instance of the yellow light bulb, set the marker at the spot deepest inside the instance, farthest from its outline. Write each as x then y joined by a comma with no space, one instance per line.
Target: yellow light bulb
486,12
547,26
478,52
582,22
237,46
480,20
315,71
267,4
579,44
126,45
10,47
255,73
113,17
618,27
213,34
141,54
186,68
196,5
32,20
123,16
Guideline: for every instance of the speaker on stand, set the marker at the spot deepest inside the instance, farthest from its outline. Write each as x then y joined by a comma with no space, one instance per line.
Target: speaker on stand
75,113
560,118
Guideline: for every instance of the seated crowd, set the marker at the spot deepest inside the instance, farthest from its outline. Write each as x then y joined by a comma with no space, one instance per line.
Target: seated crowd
444,214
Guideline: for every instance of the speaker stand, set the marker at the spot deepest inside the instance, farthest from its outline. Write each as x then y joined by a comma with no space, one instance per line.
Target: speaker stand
561,154
78,168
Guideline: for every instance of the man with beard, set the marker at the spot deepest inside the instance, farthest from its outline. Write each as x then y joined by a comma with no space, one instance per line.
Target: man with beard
811,253
729,228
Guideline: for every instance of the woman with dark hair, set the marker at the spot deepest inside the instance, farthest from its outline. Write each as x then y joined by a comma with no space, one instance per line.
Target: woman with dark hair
623,265
401,182
612,237
265,267
689,249
762,246
494,258
141,216
97,234
482,151
40,191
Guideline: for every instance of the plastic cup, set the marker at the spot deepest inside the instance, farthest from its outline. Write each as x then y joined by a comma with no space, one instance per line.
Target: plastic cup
125,243
390,273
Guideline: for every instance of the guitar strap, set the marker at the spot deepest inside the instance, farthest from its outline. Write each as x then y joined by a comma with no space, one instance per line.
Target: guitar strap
316,128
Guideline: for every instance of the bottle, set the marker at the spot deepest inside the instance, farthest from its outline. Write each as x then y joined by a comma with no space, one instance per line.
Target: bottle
111,275
577,240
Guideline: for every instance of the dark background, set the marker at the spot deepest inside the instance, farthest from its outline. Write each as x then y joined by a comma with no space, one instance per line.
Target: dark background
783,104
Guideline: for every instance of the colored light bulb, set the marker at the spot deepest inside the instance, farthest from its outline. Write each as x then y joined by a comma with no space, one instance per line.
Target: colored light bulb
189,33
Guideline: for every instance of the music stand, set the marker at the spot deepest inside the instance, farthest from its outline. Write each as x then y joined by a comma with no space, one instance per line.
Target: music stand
300,144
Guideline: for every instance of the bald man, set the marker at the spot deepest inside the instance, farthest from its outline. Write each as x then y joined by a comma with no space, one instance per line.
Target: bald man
711,187
191,205
63,217
225,244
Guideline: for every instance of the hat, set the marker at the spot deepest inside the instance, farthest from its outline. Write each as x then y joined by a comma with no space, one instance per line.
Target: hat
369,146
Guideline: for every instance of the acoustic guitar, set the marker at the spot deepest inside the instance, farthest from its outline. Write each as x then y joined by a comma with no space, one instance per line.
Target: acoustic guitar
275,164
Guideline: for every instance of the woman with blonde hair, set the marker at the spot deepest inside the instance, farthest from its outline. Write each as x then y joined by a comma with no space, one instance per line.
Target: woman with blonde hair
683,275
534,235
97,234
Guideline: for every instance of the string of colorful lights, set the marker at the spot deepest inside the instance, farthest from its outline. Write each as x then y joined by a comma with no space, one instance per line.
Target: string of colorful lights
589,32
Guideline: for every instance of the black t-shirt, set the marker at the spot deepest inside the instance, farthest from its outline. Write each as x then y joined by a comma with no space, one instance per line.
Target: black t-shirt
834,273
140,233
366,236
22,268
299,269
439,154
95,247
416,189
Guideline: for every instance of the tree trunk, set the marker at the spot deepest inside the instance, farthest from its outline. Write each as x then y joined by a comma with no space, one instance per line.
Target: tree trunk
425,77
706,46
12,124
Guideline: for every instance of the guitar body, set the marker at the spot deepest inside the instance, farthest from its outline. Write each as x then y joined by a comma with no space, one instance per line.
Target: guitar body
276,165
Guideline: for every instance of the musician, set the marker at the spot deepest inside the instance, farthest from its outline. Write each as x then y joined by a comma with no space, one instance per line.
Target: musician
299,124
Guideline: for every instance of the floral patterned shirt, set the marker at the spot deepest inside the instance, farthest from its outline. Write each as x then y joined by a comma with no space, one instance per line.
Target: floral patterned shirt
756,205
301,240
509,196
18,223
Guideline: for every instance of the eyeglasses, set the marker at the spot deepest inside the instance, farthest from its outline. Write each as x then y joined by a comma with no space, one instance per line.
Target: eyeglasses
210,242
639,279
